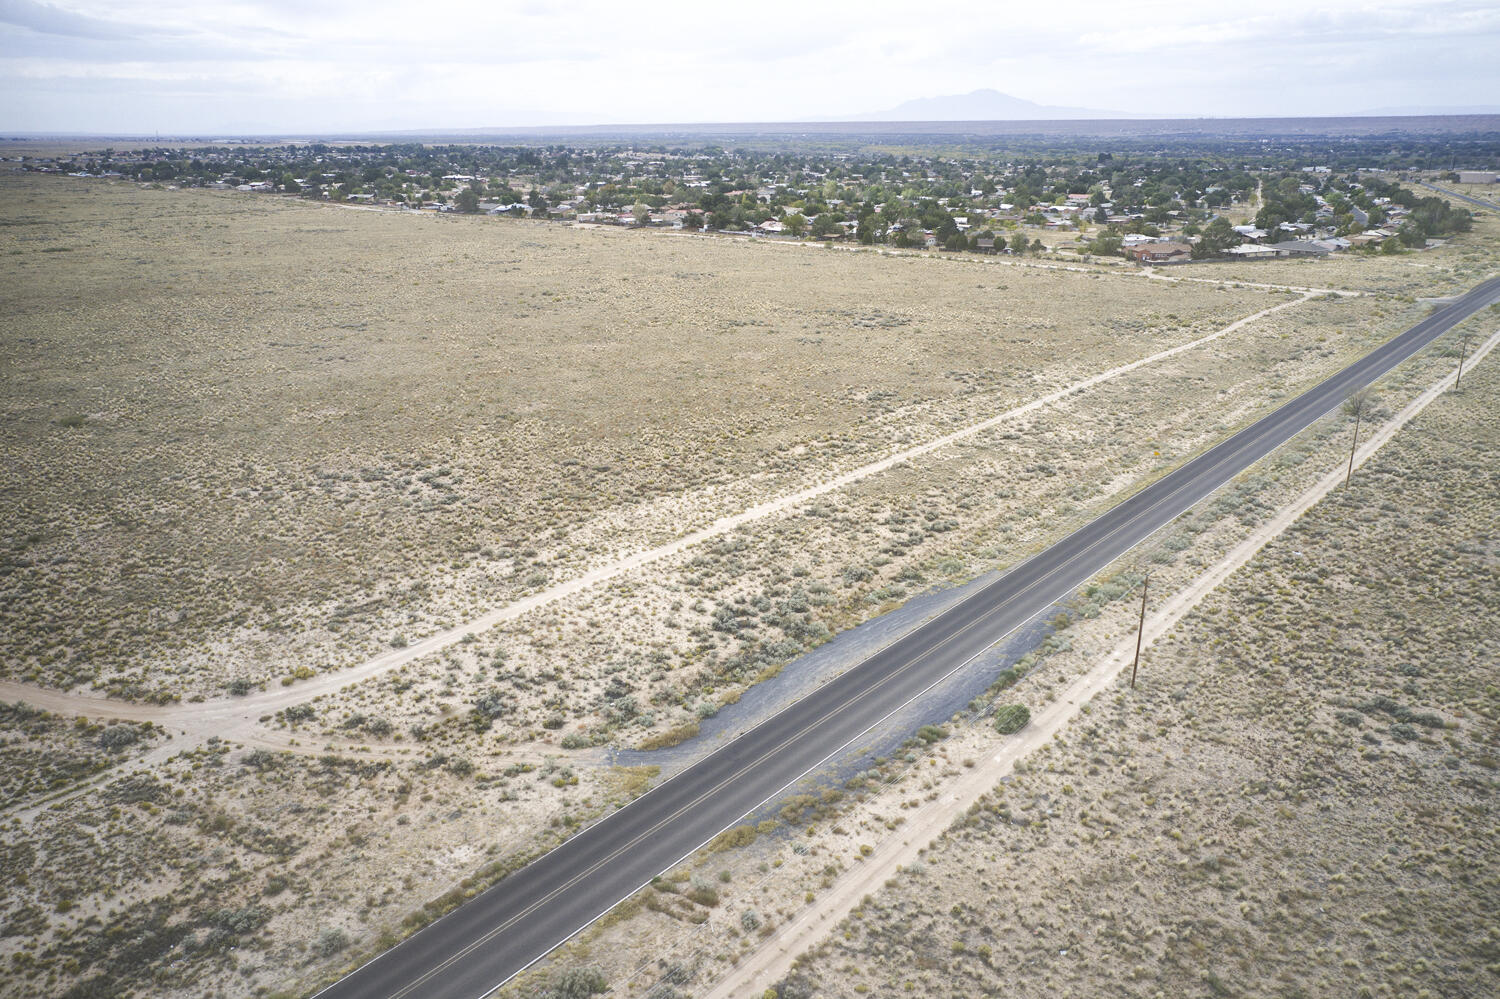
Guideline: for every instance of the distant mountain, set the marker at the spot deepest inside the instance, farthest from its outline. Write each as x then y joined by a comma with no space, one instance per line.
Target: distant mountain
978,105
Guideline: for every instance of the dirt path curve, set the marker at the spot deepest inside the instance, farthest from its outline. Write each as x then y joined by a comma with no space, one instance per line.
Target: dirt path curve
773,960
237,717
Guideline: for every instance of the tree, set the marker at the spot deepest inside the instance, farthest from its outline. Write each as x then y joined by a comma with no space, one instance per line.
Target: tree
641,212
467,201
825,225
1217,237
1105,245
795,224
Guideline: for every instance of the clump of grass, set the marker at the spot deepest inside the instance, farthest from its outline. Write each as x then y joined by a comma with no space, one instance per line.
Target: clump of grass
1011,718
671,737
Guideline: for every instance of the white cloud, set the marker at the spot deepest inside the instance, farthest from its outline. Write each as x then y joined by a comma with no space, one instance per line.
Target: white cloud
344,64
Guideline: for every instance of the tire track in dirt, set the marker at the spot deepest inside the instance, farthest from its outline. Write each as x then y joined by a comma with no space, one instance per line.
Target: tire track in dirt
236,718
773,960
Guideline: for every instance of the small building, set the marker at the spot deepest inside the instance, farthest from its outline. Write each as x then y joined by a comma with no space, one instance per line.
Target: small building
1161,253
1297,248
1252,251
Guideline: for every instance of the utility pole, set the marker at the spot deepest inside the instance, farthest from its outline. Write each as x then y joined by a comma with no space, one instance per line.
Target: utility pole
1353,445
1355,405
1462,350
1141,632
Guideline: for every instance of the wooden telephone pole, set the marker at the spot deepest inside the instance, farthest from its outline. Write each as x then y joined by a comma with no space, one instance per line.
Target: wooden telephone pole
1356,404
1141,631
1464,349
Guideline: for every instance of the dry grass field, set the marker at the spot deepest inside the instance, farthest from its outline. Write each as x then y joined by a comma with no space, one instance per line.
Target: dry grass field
250,440
819,857
701,625
1444,270
242,431
1298,799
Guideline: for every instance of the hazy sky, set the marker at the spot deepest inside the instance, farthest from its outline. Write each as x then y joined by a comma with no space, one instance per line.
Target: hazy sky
179,67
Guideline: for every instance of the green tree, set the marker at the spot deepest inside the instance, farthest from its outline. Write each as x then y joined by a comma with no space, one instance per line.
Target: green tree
467,201
825,225
1105,245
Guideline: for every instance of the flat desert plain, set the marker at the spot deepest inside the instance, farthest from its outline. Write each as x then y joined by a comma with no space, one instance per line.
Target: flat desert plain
1297,800
254,444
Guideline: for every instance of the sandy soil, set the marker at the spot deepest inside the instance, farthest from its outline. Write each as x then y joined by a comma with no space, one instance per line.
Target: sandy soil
881,424
884,819
774,959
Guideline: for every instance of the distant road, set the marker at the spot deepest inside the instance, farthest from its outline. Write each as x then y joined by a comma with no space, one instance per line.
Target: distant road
487,941
1462,197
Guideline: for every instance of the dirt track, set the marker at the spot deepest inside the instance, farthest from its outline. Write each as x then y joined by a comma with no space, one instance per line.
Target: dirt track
237,718
773,960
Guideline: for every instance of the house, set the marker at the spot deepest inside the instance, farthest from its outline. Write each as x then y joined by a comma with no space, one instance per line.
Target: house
1250,233
1161,253
771,226
1333,243
985,244
1297,248
1132,239
1252,251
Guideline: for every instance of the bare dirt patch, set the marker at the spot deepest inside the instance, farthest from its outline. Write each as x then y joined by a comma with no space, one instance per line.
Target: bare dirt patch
1293,799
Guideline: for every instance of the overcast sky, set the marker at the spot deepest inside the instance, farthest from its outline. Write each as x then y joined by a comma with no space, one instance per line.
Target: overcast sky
305,66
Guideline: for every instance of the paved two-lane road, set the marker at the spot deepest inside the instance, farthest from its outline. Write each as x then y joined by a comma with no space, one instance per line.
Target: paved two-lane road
1479,202
485,942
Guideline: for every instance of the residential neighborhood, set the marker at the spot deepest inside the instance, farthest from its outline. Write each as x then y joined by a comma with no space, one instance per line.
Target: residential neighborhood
1152,209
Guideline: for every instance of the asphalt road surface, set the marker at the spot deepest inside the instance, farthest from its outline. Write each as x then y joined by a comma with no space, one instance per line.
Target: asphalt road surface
500,932
1462,197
